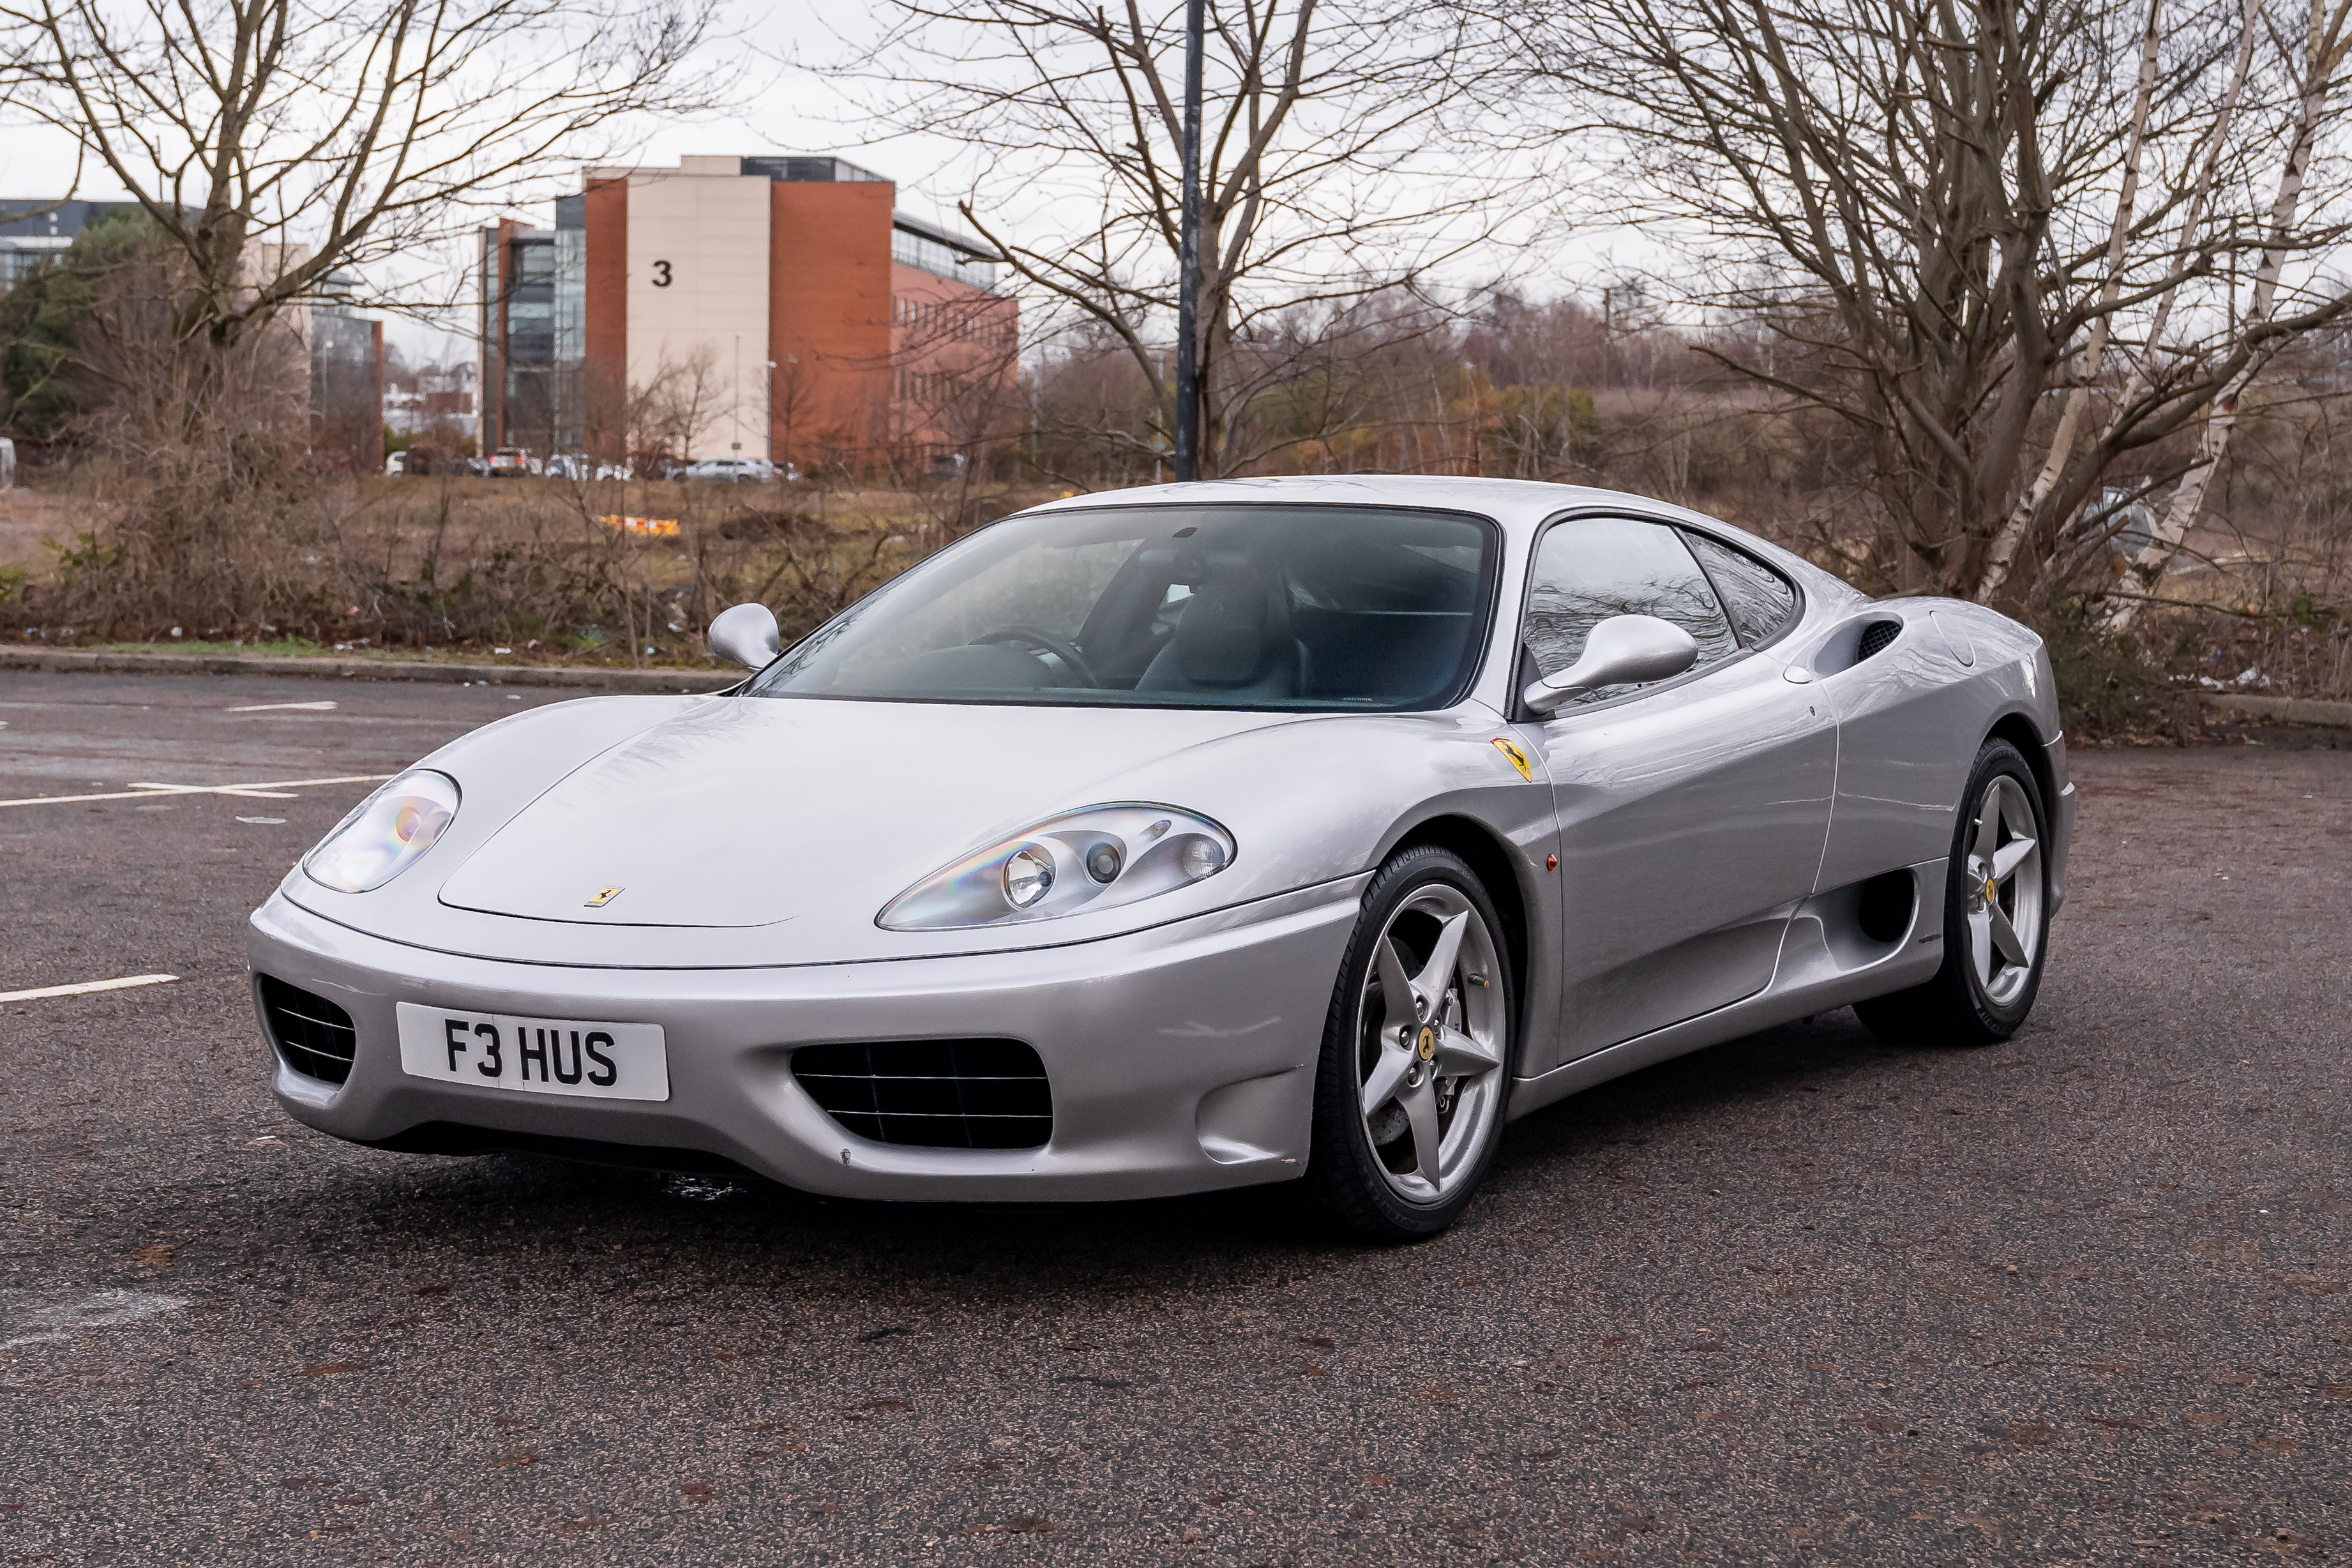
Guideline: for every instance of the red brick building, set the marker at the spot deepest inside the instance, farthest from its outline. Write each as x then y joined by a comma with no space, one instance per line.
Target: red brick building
774,308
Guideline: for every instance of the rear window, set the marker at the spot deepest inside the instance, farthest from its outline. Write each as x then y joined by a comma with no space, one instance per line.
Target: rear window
1759,599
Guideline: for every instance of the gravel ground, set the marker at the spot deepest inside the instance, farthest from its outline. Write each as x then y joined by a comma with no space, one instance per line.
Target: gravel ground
1798,1299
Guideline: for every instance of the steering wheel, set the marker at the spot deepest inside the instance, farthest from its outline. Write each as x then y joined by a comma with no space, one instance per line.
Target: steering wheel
1074,661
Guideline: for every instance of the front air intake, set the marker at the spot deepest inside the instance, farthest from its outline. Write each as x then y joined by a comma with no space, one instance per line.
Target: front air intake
933,1094
1875,638
313,1035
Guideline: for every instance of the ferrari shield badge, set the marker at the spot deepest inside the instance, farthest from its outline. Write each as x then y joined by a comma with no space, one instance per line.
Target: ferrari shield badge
601,896
1517,758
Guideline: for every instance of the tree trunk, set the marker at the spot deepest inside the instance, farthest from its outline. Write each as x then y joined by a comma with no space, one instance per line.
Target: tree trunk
2323,54
2003,550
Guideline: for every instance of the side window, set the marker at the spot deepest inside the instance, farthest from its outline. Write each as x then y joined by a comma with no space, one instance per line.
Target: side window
1589,569
1759,599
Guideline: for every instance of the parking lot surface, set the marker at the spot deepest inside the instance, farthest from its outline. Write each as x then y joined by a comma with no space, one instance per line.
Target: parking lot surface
1802,1298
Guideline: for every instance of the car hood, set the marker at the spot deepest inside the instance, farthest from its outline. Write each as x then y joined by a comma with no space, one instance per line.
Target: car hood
750,811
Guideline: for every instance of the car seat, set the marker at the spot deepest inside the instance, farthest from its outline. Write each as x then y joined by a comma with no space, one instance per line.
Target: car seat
1234,641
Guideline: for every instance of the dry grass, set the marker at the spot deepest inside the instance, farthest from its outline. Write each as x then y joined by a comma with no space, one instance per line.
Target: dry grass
530,569
460,564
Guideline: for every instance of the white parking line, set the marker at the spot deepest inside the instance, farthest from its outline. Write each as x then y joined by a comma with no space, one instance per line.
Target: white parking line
243,792
87,986
282,707
262,791
107,1310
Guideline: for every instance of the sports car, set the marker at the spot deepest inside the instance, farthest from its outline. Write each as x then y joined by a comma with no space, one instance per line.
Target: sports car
1270,831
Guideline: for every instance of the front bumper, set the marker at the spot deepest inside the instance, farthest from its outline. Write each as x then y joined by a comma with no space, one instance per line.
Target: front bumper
1181,1058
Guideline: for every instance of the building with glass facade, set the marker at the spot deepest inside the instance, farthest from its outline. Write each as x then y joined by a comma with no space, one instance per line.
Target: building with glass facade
344,349
777,307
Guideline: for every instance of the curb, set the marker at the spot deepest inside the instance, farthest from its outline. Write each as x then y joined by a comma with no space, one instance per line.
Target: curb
663,681
2292,710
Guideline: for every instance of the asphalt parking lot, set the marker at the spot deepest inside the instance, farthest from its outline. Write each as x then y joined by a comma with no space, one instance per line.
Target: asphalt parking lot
1800,1298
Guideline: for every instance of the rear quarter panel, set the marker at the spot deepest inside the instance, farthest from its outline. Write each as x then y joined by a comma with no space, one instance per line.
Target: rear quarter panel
1910,720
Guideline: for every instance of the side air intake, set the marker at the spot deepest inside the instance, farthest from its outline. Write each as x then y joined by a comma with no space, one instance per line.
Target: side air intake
1864,637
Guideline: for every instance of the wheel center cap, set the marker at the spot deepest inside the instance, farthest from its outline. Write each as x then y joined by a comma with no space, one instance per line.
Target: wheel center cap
1425,1047
1992,890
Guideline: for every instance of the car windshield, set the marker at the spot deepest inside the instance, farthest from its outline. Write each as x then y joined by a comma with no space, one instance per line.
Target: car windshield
1310,608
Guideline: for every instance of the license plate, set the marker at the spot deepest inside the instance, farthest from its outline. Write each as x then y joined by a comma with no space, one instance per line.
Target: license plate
534,1055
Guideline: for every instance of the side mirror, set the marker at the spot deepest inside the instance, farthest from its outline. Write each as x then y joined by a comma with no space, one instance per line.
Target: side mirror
747,634
1621,651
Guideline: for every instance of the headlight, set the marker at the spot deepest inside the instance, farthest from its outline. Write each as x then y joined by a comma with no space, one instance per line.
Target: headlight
1098,859
392,827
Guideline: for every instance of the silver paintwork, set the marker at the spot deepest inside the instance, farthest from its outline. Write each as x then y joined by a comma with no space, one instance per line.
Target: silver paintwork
1710,833
1622,650
747,634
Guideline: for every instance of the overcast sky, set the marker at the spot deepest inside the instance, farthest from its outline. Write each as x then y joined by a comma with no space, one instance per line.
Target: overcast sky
790,109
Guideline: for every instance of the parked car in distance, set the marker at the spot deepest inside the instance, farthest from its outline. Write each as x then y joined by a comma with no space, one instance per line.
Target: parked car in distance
512,463
736,470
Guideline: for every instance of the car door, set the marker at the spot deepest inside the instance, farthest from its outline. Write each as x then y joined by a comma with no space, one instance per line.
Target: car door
1692,812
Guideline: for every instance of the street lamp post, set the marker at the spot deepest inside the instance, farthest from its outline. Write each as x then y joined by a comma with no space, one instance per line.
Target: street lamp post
1188,260
737,445
767,407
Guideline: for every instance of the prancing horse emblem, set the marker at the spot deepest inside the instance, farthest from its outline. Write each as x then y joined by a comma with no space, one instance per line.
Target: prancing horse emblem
603,896
1427,1045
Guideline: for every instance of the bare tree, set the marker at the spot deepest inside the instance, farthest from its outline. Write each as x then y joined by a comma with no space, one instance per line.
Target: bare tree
1326,175
2325,43
669,411
282,148
1939,214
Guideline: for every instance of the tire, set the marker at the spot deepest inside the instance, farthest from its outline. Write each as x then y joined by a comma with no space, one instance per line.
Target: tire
1367,1174
1982,993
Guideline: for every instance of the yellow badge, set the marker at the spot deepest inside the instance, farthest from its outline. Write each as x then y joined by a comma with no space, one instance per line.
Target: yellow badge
1517,758
1427,1045
603,896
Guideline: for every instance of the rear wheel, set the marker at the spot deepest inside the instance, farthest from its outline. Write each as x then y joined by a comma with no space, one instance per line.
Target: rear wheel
1995,917
1416,1051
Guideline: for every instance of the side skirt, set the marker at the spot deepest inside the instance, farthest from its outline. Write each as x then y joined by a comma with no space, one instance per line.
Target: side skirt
1824,963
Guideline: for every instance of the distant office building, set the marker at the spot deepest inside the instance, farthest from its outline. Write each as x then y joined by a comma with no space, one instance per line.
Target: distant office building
346,353
32,232
774,308
343,349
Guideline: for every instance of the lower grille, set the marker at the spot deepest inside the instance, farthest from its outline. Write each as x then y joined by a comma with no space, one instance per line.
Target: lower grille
313,1034
935,1094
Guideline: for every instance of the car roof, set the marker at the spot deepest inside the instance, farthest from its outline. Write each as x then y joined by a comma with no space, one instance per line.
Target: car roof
1520,505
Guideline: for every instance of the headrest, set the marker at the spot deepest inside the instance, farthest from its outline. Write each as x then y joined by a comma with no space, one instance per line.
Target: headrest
1226,630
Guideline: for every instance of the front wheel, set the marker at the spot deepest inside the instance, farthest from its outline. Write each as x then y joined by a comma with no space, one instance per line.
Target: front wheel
1416,1054
1995,917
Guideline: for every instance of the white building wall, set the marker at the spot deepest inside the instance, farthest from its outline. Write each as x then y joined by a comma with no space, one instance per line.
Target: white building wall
698,296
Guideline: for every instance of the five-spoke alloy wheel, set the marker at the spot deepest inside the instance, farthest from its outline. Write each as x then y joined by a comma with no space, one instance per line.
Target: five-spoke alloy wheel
1996,916
1410,1090
2002,866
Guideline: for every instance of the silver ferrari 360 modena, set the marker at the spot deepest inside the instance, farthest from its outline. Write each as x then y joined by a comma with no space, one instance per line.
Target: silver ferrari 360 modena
1296,830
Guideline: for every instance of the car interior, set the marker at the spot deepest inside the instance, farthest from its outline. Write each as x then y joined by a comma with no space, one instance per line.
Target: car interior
1257,610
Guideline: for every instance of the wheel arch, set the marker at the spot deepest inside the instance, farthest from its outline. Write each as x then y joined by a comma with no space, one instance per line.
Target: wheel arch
2018,730
1485,853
